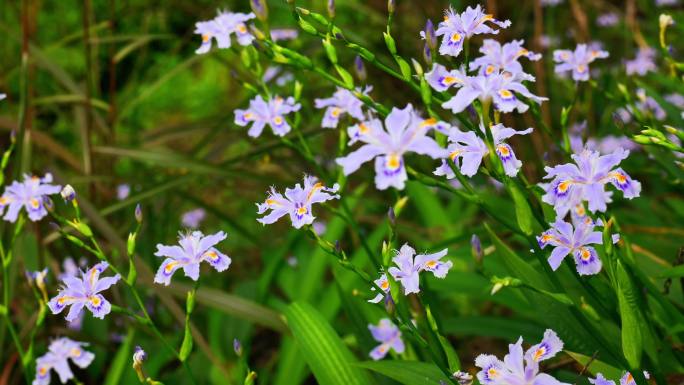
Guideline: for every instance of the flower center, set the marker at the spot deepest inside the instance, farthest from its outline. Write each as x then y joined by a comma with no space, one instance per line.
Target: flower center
336,112
393,162
95,300
506,94
205,38
171,265
456,37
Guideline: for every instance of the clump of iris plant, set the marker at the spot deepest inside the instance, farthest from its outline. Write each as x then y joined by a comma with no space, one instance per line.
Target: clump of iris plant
262,112
29,195
221,28
404,131
389,337
84,291
60,352
297,202
192,249
518,367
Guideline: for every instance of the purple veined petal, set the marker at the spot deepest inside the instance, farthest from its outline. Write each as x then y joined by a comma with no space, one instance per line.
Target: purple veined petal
276,213
301,217
105,283
470,163
331,117
587,260
379,352
43,367
60,302
210,241
427,146
557,255
549,346
192,270
398,120
166,271
98,305
411,283
256,129
390,172
433,263
501,132
621,180
514,359
13,212
593,237
175,252
609,161
397,344
492,369
204,47
354,160
280,126
384,331
377,298
217,260
463,98
75,311
597,197
82,358
510,163
61,367
441,80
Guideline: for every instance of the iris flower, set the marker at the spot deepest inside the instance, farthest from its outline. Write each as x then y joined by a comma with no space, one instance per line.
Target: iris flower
194,248
566,239
408,268
84,291
297,202
403,132
389,337
519,368
221,27
57,358
30,195
457,27
271,112
585,180
497,57
342,102
577,61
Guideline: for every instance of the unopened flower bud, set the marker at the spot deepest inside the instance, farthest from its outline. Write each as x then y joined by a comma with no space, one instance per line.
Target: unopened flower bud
48,203
360,69
430,37
331,9
68,193
139,356
391,6
138,213
391,216
427,54
476,248
260,9
390,307
237,347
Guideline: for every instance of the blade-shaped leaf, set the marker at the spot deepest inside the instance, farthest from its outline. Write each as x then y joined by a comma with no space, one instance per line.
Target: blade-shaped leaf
329,359
407,372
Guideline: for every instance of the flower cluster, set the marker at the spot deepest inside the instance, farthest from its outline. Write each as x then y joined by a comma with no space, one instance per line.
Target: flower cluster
194,249
262,112
297,202
404,131
221,28
57,358
31,194
84,291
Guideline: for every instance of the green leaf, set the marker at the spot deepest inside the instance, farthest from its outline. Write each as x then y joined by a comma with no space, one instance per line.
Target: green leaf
121,359
596,366
523,213
407,372
675,272
632,345
329,359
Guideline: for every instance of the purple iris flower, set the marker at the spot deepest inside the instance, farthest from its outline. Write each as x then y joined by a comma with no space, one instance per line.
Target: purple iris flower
404,131
497,86
342,102
221,27
192,219
278,34
467,150
270,112
647,105
457,27
626,379
585,180
519,368
84,291
389,337
383,284
57,358
577,61
297,202
30,195
675,99
643,63
409,268
608,19
497,57
70,269
566,239
194,248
